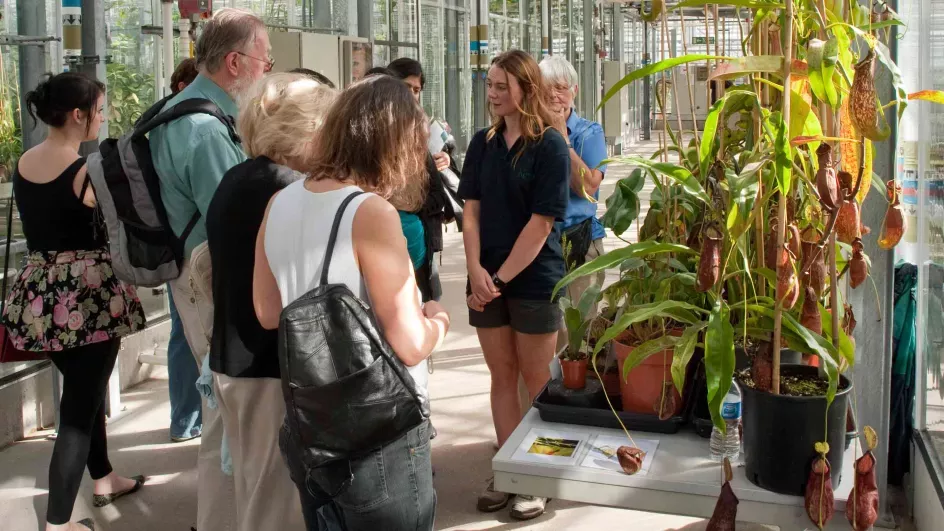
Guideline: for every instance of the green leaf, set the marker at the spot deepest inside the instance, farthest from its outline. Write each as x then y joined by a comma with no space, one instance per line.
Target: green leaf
885,57
684,350
617,256
783,163
588,300
654,68
822,58
677,173
708,147
640,353
572,321
846,350
719,360
622,207
879,186
803,119
641,313
736,67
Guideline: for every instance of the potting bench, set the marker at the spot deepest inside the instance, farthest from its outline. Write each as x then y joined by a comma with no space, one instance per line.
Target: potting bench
682,480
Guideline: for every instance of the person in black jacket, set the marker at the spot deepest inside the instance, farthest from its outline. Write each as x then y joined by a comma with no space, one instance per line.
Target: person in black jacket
431,214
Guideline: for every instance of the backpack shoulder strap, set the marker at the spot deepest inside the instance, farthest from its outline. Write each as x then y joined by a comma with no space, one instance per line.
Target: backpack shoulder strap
153,111
329,251
184,108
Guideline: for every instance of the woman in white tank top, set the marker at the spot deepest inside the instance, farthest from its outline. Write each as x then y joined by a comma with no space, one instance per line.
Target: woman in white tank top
373,139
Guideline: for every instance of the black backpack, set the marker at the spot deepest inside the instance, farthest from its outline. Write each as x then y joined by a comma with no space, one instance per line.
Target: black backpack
144,250
346,392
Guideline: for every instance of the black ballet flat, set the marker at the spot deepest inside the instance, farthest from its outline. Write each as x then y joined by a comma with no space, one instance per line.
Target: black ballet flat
87,523
101,500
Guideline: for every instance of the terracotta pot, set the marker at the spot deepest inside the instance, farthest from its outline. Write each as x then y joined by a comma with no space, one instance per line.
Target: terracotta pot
641,392
575,373
611,382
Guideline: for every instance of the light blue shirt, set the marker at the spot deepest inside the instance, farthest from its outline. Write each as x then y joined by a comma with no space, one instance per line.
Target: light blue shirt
191,155
590,144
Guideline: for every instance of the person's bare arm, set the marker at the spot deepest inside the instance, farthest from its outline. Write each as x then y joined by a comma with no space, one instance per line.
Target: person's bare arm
527,246
385,264
266,299
582,178
481,281
88,199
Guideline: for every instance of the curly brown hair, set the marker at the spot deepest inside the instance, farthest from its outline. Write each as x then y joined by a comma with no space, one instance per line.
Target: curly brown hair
375,135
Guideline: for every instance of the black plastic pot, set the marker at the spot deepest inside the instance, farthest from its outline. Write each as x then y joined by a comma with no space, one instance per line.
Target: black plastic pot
780,431
787,357
591,396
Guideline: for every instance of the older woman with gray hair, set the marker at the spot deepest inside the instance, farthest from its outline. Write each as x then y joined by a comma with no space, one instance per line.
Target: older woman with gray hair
587,146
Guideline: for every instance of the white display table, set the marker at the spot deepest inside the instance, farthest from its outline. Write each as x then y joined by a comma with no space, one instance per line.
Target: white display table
681,480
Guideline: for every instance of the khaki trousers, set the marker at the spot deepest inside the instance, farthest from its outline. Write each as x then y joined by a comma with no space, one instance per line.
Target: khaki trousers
252,411
215,490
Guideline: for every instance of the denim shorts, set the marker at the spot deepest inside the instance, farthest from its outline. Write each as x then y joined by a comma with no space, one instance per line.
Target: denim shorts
392,490
523,316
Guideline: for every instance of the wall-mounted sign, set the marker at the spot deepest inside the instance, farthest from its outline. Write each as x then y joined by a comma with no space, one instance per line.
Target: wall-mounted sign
701,40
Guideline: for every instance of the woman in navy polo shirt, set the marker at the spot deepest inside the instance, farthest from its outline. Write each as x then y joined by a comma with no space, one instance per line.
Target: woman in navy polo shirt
515,183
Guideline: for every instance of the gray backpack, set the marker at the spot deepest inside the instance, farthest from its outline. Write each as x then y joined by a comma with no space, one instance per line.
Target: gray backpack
144,249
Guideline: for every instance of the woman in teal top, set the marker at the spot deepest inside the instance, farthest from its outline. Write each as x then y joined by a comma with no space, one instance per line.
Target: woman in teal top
415,237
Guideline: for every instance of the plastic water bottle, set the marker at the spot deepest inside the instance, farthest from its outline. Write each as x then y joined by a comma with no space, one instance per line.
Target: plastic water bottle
728,444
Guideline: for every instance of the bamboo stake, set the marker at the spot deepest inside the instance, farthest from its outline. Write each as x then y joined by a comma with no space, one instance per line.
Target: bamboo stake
787,35
707,62
691,86
675,98
663,90
758,220
719,85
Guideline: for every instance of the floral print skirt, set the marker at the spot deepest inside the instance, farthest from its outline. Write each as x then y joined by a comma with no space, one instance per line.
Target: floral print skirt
63,300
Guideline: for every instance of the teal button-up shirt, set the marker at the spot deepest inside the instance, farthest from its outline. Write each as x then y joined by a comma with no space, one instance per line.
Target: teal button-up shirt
191,155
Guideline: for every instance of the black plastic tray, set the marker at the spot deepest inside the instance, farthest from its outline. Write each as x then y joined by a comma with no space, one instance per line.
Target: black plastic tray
603,417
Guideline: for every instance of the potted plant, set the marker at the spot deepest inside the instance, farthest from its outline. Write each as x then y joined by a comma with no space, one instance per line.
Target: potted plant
577,322
784,216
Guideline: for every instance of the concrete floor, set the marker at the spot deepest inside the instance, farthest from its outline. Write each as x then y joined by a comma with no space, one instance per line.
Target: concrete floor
459,387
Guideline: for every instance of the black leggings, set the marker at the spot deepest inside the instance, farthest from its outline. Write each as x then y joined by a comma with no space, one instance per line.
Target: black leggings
81,439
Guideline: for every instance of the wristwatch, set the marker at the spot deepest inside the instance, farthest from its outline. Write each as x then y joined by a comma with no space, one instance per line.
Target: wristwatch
499,283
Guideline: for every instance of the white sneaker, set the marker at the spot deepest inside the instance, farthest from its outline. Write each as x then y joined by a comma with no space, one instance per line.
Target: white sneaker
528,507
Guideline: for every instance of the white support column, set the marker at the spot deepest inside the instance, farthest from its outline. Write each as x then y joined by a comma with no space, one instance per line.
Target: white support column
167,43
184,26
291,11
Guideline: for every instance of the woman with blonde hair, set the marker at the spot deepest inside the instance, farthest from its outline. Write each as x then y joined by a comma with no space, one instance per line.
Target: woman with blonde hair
514,183
374,141
279,122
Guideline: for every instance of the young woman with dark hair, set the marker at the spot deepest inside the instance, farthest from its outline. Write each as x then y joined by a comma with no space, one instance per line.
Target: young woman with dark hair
515,188
66,302
423,222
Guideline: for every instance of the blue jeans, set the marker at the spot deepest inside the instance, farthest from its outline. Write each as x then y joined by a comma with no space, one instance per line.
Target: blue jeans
186,419
392,490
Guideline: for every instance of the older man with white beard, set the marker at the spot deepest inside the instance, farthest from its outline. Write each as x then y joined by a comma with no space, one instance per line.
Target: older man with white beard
191,155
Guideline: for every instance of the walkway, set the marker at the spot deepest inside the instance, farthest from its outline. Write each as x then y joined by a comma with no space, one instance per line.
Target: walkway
459,387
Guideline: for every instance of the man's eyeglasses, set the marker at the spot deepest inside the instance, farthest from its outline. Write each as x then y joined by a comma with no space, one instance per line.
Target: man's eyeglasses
270,62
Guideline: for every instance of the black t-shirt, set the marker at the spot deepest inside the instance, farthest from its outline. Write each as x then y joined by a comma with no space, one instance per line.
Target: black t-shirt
511,185
240,347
